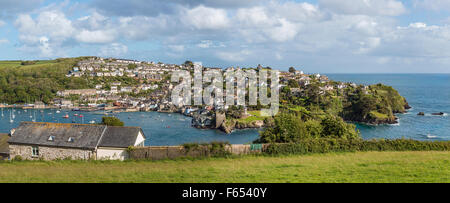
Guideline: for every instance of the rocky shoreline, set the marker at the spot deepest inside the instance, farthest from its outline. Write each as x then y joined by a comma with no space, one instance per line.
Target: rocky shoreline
384,121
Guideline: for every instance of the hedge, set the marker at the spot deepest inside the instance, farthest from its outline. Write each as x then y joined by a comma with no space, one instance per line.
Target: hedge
326,145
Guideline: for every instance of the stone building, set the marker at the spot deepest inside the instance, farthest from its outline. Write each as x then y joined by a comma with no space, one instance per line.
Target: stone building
4,148
50,141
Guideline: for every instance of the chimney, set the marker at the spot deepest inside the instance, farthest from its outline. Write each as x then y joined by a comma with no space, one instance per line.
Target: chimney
11,132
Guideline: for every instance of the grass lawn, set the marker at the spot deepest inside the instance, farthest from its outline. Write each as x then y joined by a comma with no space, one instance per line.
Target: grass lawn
16,64
342,167
254,116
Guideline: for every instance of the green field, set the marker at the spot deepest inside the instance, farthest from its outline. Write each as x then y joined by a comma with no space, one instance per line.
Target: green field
341,167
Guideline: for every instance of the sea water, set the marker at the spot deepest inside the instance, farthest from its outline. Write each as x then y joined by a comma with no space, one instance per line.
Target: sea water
429,93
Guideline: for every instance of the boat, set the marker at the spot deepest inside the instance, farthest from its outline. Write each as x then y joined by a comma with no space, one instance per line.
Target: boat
66,116
429,136
58,111
92,122
10,117
34,119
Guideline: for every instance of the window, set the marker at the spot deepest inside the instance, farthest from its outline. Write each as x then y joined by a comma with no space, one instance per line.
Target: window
35,151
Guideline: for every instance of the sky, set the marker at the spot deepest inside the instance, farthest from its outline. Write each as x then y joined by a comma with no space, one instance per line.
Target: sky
326,36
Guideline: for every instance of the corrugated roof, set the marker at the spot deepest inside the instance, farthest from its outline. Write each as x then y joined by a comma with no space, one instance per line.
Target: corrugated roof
84,136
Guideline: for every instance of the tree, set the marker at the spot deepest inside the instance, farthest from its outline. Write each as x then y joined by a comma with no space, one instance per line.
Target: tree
336,127
288,128
293,83
292,70
189,63
112,121
132,66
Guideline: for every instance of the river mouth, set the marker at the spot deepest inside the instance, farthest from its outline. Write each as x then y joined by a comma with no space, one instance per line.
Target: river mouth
425,92
160,128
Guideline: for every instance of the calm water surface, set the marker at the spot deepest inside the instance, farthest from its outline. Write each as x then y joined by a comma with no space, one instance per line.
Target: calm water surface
427,93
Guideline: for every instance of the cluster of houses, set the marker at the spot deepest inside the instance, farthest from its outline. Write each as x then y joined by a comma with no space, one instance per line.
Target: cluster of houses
152,76
100,67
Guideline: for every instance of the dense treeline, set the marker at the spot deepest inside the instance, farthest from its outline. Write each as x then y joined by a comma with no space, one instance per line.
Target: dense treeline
27,82
374,104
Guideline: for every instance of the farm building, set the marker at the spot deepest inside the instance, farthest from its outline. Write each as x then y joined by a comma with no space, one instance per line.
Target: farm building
50,141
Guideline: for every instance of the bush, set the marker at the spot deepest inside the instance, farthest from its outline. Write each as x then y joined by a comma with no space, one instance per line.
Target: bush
17,158
112,121
326,145
290,128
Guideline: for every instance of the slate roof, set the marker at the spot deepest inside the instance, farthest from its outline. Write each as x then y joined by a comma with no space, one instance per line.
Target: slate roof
120,136
4,147
85,136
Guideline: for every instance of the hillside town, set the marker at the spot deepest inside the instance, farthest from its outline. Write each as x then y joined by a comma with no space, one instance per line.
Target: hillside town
150,87
122,85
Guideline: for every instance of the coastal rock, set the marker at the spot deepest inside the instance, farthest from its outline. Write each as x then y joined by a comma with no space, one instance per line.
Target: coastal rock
421,114
220,119
202,120
227,128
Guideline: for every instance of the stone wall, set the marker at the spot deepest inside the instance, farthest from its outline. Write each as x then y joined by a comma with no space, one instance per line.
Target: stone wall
172,152
49,153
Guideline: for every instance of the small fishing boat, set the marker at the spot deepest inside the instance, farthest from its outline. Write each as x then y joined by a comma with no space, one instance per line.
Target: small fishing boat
66,116
92,122
58,111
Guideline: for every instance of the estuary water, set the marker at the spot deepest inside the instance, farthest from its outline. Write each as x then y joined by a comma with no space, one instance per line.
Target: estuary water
429,93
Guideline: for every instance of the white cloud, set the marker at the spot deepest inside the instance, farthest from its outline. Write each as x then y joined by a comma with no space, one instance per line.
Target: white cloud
346,31
176,48
205,44
434,5
210,44
4,41
283,31
44,47
364,7
97,36
2,23
113,50
234,56
45,34
203,17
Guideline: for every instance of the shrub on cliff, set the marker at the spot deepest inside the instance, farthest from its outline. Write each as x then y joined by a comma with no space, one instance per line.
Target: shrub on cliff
112,121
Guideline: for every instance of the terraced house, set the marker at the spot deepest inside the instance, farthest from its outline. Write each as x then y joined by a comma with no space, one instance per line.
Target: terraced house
50,141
